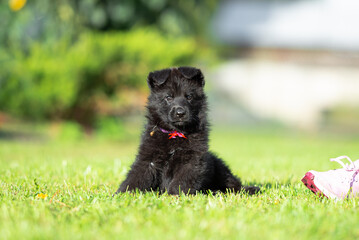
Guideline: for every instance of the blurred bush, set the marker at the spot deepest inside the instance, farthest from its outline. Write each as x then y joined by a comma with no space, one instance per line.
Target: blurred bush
70,131
87,60
47,21
96,74
111,128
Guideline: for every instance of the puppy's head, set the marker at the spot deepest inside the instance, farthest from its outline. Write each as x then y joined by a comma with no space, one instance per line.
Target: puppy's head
177,98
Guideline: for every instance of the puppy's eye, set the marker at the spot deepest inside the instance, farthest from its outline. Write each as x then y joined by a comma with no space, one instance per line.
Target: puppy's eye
169,98
189,97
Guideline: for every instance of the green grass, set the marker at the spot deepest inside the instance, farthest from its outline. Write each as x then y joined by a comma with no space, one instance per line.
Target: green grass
80,177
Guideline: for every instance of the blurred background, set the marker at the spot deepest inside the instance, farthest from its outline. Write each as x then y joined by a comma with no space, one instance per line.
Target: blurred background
78,68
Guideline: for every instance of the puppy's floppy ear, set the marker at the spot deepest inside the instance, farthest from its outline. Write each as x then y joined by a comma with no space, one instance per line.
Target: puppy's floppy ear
192,73
157,78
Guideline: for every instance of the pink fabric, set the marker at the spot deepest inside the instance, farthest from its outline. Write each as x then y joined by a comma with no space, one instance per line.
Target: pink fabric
339,183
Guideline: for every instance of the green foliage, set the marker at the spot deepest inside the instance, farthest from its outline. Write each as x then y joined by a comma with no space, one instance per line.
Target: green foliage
47,21
63,60
75,80
70,131
110,128
77,182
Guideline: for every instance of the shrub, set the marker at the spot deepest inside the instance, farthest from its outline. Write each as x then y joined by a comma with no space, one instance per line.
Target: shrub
78,80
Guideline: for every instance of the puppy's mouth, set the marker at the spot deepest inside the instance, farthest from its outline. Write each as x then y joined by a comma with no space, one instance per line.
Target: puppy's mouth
179,123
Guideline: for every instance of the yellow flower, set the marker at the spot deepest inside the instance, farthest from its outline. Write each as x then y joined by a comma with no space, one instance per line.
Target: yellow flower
16,5
41,195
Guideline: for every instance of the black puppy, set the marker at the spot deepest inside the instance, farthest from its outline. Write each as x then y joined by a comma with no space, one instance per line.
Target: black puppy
173,155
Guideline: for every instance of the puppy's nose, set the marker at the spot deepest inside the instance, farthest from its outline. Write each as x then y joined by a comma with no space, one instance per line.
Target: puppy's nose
180,112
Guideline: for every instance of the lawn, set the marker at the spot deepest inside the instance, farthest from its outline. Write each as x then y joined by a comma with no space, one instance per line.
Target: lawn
56,189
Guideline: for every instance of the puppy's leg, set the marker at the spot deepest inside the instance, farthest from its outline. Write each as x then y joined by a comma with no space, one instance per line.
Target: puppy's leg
142,176
251,189
185,180
234,184
222,179
226,180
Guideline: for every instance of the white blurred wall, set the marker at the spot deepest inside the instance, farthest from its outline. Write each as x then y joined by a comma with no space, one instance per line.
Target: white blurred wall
291,93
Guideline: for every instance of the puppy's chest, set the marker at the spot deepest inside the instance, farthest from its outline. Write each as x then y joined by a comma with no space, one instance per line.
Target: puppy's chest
166,156
167,165
170,158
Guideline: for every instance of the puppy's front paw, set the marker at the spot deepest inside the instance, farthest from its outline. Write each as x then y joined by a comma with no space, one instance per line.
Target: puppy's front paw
251,190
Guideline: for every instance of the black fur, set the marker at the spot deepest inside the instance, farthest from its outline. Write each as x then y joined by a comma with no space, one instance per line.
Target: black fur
177,102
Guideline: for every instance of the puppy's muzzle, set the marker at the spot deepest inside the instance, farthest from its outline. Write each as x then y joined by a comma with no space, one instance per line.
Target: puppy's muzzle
179,114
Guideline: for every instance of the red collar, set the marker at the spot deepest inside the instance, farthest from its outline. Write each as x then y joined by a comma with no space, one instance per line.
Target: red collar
173,134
